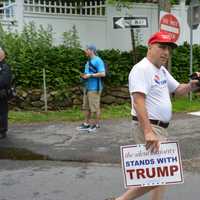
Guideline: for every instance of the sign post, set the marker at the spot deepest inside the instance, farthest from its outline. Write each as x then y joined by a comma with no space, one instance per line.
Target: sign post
133,45
130,22
163,5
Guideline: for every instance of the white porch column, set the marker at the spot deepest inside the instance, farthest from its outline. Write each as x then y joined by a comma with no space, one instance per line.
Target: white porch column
19,12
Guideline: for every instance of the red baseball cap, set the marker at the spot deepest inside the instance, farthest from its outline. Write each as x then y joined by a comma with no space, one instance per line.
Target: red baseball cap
162,37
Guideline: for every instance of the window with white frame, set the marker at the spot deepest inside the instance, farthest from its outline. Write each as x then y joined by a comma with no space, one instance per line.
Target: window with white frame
6,9
66,7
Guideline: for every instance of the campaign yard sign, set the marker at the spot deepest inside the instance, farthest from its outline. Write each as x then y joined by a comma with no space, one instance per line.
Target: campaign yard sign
144,168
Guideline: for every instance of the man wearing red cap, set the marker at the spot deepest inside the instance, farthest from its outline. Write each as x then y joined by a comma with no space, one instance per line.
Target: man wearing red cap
150,85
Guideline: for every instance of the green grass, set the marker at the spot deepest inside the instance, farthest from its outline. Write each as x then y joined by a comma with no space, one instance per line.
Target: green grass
108,112
29,116
184,105
72,114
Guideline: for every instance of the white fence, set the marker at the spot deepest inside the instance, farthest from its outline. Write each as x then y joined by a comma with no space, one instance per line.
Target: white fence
93,21
88,8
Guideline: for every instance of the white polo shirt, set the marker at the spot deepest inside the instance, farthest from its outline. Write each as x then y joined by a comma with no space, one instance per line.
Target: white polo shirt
156,84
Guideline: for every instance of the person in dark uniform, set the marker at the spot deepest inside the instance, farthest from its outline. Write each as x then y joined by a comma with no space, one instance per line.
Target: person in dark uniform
5,82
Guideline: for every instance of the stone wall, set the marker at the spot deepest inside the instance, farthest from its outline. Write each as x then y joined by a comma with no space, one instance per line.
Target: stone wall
57,100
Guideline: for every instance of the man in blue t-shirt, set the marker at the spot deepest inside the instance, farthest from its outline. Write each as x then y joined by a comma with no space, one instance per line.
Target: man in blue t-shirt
92,76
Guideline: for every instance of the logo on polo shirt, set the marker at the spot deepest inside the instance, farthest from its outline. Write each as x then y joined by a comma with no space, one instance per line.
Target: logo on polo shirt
159,81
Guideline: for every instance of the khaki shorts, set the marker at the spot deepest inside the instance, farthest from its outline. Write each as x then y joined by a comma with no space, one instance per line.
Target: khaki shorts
138,134
91,101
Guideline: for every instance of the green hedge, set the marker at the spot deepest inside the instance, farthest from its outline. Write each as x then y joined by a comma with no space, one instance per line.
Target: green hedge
32,50
63,65
181,61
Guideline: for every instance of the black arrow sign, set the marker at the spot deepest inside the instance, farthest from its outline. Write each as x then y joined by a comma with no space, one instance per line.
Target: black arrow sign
130,22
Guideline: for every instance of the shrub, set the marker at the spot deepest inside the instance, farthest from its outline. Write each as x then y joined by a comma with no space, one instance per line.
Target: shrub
32,50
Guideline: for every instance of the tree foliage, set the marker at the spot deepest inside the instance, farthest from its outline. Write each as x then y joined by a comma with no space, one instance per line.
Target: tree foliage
71,38
32,50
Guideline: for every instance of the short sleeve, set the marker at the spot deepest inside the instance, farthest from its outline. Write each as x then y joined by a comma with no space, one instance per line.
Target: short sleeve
139,80
98,63
172,83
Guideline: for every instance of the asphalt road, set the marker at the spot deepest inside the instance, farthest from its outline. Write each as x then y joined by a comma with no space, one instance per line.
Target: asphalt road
61,141
47,180
91,161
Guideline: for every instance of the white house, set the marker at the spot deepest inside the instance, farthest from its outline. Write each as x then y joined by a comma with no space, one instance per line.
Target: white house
94,20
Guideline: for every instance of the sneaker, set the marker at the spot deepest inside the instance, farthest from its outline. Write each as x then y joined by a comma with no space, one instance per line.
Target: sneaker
97,126
83,127
92,128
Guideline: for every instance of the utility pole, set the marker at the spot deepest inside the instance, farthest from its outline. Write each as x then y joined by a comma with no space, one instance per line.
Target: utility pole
164,5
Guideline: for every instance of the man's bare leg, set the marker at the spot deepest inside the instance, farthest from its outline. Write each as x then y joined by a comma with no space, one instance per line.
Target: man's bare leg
158,193
136,192
87,116
97,119
94,118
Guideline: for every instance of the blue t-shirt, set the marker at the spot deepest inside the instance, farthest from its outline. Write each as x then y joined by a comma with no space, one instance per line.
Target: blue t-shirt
94,83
